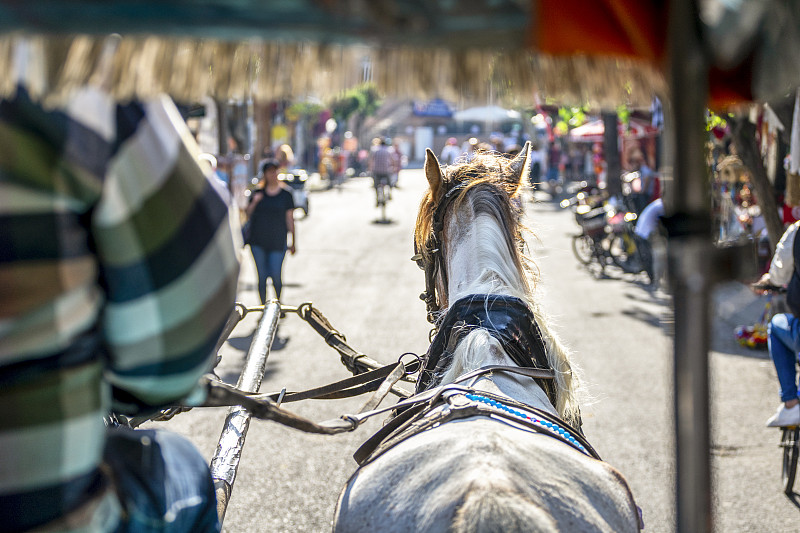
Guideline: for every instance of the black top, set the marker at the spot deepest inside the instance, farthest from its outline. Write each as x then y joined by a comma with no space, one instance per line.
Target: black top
268,222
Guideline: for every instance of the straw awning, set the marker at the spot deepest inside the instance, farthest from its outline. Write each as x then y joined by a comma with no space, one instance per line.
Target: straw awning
599,53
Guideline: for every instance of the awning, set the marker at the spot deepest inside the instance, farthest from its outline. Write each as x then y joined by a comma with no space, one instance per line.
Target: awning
598,53
490,113
593,131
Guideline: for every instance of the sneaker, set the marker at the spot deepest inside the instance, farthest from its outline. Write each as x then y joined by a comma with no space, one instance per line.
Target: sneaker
785,416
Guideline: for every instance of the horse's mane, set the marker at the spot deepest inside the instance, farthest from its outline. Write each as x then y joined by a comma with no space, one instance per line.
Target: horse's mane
487,184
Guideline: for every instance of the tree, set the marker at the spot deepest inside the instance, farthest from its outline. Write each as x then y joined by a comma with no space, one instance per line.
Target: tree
356,103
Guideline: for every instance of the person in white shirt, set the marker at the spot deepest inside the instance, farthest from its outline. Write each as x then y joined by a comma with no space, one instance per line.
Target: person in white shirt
451,152
783,332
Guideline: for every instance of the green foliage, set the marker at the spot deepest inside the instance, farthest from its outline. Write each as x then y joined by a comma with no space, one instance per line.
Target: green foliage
363,99
623,114
570,117
713,120
307,110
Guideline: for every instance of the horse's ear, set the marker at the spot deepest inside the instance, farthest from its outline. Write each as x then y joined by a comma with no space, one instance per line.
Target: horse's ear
521,166
434,173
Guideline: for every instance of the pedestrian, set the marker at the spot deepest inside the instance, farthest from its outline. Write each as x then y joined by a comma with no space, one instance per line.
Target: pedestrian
783,331
647,178
118,272
647,238
285,157
451,152
468,149
271,217
380,166
553,162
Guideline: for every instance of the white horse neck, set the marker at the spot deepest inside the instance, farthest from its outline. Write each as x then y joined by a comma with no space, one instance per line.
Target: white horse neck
479,260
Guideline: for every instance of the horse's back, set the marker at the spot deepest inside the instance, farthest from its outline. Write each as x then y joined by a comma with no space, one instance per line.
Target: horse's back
481,475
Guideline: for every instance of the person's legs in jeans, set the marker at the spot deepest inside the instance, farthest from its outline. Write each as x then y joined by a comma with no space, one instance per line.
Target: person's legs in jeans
645,256
274,264
163,482
262,270
783,340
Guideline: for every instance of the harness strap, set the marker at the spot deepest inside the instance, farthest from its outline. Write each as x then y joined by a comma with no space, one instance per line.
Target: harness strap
346,388
536,373
356,362
384,388
459,406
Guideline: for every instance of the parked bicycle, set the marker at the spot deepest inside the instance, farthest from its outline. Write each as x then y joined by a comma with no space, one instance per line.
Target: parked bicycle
607,235
591,244
627,250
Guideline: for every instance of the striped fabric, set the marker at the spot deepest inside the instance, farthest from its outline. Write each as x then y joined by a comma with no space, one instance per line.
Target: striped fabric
118,270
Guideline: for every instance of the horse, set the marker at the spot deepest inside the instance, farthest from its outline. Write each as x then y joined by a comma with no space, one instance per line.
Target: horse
489,442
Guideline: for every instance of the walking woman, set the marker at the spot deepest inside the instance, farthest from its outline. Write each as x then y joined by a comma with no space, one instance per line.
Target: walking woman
271,215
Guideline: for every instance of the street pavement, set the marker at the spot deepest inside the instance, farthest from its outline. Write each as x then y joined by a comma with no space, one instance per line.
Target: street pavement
355,268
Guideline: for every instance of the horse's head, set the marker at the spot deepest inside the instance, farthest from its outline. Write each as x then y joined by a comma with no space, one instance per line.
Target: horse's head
469,241
488,184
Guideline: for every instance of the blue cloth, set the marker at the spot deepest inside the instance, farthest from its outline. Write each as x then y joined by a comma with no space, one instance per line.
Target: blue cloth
783,340
269,264
163,482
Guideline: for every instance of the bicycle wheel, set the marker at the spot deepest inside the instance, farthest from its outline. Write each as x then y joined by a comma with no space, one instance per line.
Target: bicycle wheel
583,248
625,255
790,447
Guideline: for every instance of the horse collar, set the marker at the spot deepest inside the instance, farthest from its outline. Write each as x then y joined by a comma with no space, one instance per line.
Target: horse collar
508,319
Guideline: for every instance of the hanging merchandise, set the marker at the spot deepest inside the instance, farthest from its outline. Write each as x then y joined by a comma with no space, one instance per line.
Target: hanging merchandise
793,172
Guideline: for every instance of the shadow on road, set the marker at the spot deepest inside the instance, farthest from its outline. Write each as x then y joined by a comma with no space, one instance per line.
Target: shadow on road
645,316
243,343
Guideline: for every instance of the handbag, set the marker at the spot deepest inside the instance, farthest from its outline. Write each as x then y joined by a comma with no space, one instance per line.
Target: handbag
246,233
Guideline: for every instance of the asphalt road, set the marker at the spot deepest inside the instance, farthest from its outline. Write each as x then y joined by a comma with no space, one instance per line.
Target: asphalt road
357,271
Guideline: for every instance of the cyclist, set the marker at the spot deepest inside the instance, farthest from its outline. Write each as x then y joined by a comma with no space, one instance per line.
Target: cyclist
783,332
381,165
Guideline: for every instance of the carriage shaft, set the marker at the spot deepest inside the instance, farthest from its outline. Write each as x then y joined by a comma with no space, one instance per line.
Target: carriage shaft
225,462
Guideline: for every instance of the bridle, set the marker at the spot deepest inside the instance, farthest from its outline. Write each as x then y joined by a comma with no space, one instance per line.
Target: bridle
432,262
431,259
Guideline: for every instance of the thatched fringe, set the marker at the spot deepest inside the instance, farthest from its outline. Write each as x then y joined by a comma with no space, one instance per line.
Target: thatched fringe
190,69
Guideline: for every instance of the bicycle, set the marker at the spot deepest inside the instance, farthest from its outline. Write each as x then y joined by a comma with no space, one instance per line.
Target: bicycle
591,244
790,442
383,193
628,251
